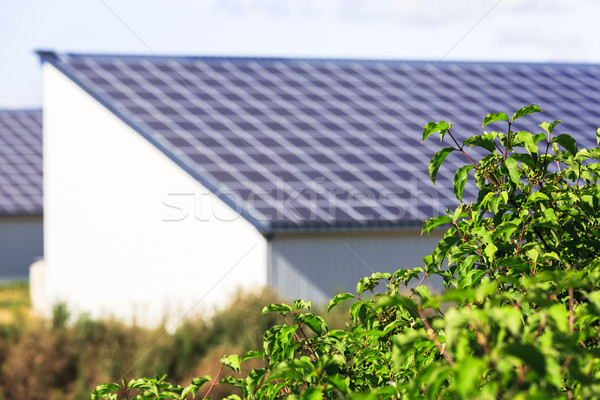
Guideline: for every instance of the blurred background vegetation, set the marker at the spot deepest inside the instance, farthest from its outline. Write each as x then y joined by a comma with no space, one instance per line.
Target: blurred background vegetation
66,358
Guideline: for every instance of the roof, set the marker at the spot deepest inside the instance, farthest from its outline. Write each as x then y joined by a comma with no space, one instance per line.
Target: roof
21,162
311,144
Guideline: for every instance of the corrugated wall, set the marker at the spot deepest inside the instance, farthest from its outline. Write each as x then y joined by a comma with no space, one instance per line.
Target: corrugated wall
21,243
316,267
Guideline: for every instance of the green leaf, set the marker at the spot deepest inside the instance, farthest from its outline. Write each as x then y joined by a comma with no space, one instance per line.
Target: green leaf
433,127
381,275
442,249
312,393
338,382
281,308
537,196
468,379
494,203
398,301
526,159
533,255
253,380
566,142
526,110
493,118
434,222
560,316
301,305
591,153
339,298
460,178
138,384
284,373
232,362
490,250
200,381
422,291
105,388
314,322
483,141
598,136
437,161
252,354
549,127
539,137
526,139
363,285
230,380
513,170
530,355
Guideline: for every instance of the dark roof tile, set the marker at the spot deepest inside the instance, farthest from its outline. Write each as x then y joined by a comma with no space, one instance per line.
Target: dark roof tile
21,162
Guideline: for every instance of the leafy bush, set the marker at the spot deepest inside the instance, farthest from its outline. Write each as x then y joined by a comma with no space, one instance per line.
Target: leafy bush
65,359
519,318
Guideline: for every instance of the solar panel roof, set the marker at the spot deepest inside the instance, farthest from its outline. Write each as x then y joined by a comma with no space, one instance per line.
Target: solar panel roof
325,144
20,162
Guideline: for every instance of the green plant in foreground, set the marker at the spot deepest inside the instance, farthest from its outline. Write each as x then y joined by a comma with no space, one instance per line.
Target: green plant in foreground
520,314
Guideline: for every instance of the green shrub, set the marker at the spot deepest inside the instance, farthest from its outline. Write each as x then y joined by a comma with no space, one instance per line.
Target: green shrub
60,359
519,318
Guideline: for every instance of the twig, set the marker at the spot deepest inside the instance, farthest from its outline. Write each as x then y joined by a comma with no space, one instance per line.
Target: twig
571,316
125,389
507,141
288,322
461,148
214,382
435,340
481,339
520,239
541,327
419,284
306,343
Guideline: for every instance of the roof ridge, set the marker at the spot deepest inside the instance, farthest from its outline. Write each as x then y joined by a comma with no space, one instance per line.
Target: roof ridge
47,55
9,110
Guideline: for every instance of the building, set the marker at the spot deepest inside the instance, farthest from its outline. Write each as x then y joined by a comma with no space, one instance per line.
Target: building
172,181
21,209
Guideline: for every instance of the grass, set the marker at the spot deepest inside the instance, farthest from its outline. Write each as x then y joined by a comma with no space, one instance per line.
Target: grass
14,301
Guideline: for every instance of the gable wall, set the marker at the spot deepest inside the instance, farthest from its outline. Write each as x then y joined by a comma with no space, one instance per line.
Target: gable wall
316,267
127,232
21,243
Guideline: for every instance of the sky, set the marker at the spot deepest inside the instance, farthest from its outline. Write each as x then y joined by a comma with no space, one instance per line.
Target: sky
471,30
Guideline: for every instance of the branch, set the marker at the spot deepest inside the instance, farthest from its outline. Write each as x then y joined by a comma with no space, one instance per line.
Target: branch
295,334
541,327
306,343
419,284
214,382
435,340
507,141
571,316
481,339
461,148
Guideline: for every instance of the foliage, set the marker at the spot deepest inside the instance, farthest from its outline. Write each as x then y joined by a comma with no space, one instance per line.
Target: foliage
65,357
520,314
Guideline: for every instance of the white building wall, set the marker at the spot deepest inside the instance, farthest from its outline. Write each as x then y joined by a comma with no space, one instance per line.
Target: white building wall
127,232
21,243
318,266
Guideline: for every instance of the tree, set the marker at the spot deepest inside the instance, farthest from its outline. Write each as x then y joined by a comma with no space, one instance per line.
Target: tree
520,314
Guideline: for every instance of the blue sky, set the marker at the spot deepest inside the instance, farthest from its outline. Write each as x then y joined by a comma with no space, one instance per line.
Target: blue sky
499,30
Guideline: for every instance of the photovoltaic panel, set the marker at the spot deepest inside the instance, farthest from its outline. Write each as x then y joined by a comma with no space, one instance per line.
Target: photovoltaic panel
326,144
